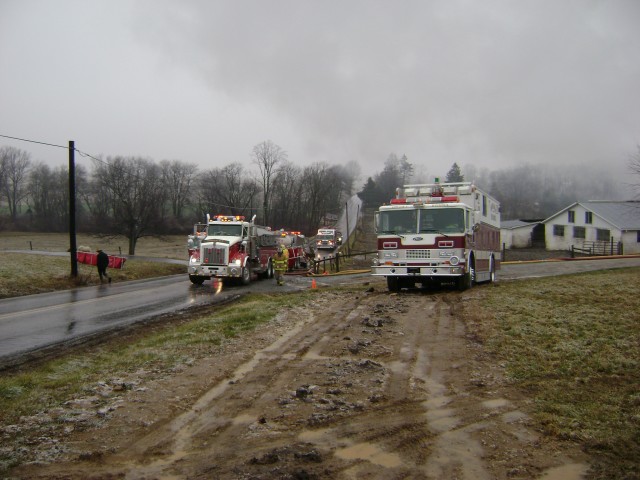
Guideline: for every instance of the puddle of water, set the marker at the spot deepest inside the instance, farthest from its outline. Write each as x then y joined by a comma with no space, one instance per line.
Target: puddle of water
371,453
442,420
496,403
570,471
457,449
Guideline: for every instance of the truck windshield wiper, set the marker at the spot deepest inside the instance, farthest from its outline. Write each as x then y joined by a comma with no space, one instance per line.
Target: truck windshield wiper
433,230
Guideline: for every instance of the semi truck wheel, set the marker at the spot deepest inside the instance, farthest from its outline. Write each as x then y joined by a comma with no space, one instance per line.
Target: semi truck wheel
196,280
246,276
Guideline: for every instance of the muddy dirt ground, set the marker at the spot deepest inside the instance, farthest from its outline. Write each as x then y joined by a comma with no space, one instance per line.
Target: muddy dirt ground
367,386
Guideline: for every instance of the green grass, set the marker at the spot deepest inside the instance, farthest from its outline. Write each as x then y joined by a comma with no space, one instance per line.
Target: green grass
573,343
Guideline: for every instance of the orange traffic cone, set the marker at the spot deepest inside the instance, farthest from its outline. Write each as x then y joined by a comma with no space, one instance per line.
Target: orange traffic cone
313,283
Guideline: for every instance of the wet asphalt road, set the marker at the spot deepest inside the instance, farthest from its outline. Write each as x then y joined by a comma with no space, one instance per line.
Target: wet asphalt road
37,322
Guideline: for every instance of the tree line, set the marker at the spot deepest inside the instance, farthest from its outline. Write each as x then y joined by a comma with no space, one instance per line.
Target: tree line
137,197
527,192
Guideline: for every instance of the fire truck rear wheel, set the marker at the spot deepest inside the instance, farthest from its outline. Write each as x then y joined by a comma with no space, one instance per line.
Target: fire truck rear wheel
196,280
492,270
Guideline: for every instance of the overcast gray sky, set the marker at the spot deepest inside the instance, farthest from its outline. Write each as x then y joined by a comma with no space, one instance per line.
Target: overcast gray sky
491,83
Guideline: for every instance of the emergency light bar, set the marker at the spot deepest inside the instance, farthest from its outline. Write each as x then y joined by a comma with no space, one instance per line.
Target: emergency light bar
227,218
418,200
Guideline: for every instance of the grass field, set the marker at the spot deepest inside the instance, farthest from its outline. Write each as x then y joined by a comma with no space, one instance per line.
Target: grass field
572,343
29,273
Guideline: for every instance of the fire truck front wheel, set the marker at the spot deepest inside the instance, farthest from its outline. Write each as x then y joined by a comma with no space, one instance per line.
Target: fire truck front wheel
246,276
469,278
393,284
196,280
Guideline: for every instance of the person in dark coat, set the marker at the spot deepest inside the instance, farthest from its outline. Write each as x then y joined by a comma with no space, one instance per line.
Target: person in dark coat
103,263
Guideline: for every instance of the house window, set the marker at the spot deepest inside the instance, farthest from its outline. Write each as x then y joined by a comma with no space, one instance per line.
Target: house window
588,217
638,236
484,206
603,235
572,216
558,230
579,232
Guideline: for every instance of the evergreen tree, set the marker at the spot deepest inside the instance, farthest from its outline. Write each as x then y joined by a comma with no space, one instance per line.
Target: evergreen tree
454,175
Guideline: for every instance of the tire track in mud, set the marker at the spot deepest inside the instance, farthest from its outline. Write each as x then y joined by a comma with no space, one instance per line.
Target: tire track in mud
373,385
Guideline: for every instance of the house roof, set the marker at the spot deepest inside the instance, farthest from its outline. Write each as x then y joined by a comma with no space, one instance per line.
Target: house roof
511,224
624,215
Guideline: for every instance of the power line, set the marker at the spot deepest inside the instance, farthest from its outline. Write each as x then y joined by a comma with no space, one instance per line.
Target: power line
34,141
84,154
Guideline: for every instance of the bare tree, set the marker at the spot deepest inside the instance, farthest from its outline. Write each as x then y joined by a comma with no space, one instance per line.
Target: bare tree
287,192
48,197
267,155
227,190
15,164
317,197
177,180
634,167
135,190
97,198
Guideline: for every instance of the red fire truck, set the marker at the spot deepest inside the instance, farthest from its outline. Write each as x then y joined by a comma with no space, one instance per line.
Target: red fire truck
296,245
438,233
230,248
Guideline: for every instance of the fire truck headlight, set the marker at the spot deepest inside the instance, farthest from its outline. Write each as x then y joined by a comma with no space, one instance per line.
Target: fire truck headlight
375,262
193,260
236,261
454,260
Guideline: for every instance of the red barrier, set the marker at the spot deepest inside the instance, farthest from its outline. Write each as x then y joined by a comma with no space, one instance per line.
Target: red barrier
92,259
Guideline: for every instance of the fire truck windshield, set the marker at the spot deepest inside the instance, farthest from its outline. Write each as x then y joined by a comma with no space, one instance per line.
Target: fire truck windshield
398,221
224,230
436,220
444,220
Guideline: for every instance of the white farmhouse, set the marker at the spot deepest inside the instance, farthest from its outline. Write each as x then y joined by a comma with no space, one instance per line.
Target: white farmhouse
600,227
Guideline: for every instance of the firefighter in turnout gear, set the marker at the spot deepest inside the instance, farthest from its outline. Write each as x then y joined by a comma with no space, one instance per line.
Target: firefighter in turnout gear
280,264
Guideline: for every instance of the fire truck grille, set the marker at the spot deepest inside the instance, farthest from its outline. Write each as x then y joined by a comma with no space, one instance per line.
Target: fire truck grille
418,254
214,255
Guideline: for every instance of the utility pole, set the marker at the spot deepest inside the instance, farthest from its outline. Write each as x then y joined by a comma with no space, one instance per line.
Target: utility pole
72,209
346,212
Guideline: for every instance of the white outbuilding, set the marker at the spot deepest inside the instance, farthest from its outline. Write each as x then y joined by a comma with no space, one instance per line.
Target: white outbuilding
517,233
598,227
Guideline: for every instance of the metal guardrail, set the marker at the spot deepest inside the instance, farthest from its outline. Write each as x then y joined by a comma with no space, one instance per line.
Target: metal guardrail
333,261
